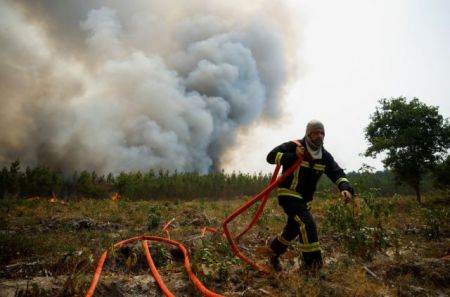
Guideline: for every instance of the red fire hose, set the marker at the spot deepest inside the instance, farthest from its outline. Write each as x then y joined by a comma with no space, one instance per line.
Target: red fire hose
263,195
260,207
156,275
154,270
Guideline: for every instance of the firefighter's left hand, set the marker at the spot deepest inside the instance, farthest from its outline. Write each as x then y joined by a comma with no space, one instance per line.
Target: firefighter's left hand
347,196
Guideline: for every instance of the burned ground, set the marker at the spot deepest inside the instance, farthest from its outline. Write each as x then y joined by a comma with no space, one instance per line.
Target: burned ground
51,249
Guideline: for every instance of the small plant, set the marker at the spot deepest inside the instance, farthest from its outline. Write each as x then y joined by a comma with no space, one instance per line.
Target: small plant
360,226
33,291
131,261
203,254
433,219
74,285
202,205
160,254
215,260
154,218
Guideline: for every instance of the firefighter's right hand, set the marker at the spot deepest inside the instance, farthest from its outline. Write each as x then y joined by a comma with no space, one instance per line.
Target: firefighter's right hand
347,196
300,151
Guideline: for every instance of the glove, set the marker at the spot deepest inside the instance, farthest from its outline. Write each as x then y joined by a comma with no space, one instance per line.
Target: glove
346,195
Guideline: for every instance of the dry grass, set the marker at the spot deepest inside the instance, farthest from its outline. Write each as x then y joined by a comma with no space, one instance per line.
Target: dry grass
66,237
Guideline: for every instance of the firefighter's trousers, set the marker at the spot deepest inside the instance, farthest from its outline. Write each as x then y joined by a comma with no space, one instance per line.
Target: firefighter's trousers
300,223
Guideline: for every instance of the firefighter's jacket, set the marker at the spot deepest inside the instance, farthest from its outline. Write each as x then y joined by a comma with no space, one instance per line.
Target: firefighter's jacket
302,182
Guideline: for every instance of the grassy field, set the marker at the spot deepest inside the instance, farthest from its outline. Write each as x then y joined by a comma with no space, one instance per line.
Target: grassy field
374,247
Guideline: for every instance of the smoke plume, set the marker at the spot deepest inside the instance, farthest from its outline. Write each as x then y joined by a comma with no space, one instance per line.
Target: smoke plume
133,85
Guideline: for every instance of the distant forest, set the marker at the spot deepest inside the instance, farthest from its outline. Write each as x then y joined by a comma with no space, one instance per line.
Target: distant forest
43,181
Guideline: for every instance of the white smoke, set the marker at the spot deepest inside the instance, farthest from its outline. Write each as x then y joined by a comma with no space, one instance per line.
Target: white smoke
112,86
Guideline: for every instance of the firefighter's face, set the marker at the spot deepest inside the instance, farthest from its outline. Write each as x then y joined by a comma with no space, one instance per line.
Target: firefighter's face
317,136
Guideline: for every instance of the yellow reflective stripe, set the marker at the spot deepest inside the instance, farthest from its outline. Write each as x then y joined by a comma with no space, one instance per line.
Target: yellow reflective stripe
310,247
278,158
302,229
304,164
319,167
308,205
340,180
309,250
312,244
287,192
283,240
295,179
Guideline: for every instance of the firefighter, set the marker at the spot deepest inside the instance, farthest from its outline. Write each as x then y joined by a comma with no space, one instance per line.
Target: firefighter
295,193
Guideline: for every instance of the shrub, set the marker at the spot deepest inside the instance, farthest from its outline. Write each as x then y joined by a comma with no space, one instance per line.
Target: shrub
433,218
154,218
360,227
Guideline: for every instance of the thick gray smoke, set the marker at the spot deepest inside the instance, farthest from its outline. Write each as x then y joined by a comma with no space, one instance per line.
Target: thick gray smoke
133,85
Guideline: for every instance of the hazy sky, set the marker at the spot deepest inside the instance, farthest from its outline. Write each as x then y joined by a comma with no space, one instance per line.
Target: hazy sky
112,85
353,53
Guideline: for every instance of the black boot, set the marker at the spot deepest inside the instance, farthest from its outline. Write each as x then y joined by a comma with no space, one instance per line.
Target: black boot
278,249
275,262
313,260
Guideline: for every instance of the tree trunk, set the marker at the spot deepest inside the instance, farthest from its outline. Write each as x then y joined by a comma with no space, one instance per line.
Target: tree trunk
417,189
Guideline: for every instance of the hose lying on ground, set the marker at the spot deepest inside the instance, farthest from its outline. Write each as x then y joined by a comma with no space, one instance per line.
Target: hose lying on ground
263,195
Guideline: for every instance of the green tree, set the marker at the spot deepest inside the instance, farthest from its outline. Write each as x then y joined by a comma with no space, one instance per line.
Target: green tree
14,178
413,136
441,174
4,177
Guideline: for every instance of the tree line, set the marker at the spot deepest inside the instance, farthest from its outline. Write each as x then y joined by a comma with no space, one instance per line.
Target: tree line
413,136
43,181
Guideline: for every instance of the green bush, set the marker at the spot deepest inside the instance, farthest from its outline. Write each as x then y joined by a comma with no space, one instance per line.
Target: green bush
361,228
154,218
433,219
